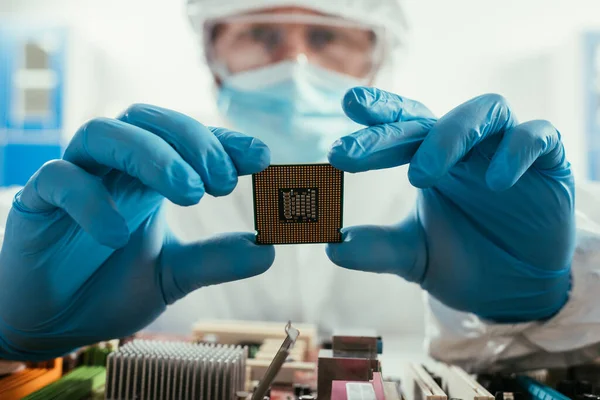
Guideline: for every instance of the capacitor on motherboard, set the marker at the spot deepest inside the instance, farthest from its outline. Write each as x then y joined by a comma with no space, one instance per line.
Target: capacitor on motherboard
298,390
509,396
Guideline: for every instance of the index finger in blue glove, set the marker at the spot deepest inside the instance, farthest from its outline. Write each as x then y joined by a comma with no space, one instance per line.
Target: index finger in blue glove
196,144
223,258
371,106
456,134
81,195
250,155
379,146
534,143
397,128
103,144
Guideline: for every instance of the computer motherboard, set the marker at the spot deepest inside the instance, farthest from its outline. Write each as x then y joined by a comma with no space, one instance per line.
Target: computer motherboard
238,360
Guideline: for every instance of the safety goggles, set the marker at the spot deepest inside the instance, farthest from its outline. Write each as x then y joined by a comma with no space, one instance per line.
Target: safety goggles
246,42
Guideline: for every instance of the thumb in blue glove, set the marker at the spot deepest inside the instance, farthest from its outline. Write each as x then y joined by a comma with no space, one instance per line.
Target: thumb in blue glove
87,254
493,232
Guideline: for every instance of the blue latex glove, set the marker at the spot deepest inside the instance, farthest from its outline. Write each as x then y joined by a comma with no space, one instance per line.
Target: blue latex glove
493,232
87,254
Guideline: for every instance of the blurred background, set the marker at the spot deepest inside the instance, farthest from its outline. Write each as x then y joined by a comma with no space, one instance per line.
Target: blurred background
65,61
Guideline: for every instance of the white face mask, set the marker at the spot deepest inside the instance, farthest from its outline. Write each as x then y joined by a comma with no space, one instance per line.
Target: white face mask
295,108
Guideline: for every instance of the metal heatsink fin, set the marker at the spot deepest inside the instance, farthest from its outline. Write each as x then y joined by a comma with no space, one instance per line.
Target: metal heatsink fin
145,369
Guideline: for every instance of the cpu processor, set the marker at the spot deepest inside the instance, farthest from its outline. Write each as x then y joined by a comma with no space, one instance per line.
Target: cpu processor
296,204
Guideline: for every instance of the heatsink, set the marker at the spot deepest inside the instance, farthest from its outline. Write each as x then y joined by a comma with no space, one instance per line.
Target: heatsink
145,369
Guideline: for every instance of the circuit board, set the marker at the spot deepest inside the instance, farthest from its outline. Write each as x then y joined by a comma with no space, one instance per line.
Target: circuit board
228,360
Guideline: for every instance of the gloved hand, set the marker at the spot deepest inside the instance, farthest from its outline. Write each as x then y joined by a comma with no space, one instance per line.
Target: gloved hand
493,232
87,254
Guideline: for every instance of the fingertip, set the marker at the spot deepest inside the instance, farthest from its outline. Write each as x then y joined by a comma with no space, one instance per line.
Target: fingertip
340,158
355,250
138,111
221,179
332,250
356,103
223,188
496,181
420,178
496,186
249,154
191,197
258,258
116,239
359,95
260,156
266,260
220,191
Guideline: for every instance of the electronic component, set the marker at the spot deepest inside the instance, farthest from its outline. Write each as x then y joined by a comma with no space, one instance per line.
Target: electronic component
538,385
258,368
538,391
356,346
371,390
296,204
219,368
282,355
10,367
352,359
418,384
266,338
175,370
459,384
501,383
509,396
301,390
80,383
35,377
238,332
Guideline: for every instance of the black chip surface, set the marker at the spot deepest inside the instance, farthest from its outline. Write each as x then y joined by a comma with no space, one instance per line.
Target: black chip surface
296,204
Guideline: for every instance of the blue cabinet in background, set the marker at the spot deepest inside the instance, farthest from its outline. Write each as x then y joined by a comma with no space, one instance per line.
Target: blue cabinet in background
592,102
32,76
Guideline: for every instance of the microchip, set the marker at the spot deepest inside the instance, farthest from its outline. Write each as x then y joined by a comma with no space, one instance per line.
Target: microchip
296,204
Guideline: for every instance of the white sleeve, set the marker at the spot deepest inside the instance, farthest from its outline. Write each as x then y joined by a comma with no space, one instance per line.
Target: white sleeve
570,338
